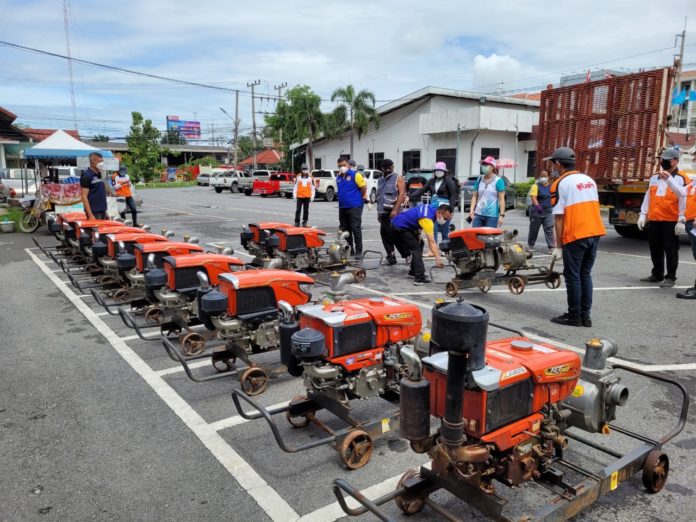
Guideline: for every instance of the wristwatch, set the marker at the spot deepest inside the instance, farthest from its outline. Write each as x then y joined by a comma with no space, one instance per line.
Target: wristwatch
502,215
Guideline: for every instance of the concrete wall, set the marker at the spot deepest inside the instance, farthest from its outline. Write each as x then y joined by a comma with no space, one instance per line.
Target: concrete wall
429,125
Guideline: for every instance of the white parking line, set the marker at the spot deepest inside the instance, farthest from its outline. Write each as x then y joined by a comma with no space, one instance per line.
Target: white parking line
265,496
229,422
639,256
637,366
179,369
145,334
505,291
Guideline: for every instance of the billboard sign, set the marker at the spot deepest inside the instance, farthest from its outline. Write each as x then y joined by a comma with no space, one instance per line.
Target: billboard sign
191,130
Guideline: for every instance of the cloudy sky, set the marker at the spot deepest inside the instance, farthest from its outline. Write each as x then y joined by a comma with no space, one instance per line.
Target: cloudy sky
390,47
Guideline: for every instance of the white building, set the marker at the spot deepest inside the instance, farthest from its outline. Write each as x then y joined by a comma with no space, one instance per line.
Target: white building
421,128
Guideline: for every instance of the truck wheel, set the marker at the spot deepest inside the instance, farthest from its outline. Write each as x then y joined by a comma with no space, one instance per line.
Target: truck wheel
329,194
629,231
247,192
264,195
373,196
234,188
218,190
288,195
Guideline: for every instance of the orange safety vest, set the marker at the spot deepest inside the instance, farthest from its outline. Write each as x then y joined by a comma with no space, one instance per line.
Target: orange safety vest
303,186
664,207
690,212
577,193
124,190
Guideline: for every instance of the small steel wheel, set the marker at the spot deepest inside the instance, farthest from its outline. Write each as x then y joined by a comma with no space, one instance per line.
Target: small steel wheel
655,471
75,259
107,280
485,285
224,364
254,380
356,449
153,316
554,282
192,344
121,295
451,289
516,285
409,503
359,275
92,269
301,420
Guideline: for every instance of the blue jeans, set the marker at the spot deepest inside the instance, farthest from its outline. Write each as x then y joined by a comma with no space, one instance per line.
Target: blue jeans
578,259
443,229
484,221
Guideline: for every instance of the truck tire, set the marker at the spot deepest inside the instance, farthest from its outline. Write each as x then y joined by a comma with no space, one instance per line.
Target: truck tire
218,190
630,231
288,195
247,192
234,188
329,196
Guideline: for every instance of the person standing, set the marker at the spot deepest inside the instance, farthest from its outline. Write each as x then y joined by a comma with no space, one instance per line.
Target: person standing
407,228
351,198
690,216
391,193
443,191
663,208
541,212
487,208
94,188
579,226
303,192
122,185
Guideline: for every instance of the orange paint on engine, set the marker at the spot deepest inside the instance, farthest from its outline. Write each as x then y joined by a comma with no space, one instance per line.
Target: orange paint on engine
171,248
211,264
470,236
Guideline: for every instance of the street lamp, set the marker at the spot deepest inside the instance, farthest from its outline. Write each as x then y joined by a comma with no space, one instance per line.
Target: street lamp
229,142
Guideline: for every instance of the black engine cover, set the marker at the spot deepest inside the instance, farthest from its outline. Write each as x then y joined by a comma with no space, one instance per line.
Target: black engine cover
213,302
308,345
125,261
99,250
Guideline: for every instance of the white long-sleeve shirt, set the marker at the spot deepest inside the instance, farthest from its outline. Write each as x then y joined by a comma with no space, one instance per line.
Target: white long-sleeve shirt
673,183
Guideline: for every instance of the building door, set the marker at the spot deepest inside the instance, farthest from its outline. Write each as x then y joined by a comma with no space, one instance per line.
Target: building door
449,156
411,160
531,163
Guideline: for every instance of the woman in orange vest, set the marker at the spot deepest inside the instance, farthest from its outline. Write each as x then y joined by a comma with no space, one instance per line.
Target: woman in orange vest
122,185
303,192
663,208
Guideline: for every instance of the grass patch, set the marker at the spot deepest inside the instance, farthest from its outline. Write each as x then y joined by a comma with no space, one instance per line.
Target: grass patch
164,184
12,214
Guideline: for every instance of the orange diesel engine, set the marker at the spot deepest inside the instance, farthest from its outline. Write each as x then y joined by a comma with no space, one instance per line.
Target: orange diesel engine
475,249
302,248
352,349
254,235
499,402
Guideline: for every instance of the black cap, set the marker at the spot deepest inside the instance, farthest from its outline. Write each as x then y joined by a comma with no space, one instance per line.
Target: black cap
304,166
562,153
387,163
351,163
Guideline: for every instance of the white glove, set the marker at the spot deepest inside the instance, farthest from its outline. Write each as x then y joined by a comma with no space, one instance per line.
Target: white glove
679,229
557,254
369,206
641,222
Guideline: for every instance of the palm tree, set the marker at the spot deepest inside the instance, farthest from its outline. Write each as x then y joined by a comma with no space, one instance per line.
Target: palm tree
359,109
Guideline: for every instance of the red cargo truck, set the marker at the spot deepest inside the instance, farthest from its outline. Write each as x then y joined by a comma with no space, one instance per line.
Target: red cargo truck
271,186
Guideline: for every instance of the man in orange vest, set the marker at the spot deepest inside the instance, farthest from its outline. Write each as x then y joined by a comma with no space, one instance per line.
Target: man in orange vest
579,226
303,192
663,207
122,185
689,218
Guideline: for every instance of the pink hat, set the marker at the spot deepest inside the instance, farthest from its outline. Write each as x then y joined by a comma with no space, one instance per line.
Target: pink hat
490,160
440,165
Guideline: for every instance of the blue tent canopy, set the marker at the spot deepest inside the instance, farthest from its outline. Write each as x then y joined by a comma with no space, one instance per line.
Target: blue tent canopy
61,145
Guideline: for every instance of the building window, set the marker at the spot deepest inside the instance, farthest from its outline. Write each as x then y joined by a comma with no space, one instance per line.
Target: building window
531,163
490,151
317,163
375,160
449,156
411,160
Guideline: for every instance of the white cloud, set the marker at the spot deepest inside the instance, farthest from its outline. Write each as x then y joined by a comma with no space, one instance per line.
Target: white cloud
489,71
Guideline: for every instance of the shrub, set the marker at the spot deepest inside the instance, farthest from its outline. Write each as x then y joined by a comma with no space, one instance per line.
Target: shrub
522,189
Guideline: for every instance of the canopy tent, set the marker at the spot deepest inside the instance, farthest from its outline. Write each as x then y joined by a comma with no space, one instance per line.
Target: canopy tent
61,145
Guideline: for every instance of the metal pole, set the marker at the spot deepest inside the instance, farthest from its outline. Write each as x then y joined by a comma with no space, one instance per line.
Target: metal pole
517,134
456,165
253,120
236,128
280,88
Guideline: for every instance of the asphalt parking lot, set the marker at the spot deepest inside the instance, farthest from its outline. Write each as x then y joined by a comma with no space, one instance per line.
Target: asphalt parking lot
97,423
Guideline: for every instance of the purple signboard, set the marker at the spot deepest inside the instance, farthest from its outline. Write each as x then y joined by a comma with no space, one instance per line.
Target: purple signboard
191,130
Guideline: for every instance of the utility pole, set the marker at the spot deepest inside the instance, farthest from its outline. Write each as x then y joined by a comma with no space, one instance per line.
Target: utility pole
280,88
678,61
456,165
253,119
236,128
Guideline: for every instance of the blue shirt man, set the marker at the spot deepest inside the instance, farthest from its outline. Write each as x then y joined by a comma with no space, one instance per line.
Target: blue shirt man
94,188
351,198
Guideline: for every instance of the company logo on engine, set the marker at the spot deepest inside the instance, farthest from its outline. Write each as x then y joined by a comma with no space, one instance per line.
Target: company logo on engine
557,370
402,315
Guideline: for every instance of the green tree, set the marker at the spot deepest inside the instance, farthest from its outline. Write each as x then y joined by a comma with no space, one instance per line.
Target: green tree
173,137
245,146
143,158
100,137
358,108
297,118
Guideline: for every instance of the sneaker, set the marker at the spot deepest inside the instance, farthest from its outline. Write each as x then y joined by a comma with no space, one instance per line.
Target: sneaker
305,225
668,282
411,274
586,322
689,293
297,224
651,279
391,260
423,281
530,248
567,320
358,255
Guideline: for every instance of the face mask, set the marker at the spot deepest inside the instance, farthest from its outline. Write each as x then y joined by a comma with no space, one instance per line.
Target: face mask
666,164
543,180
100,165
439,173
343,170
304,172
441,221
486,169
